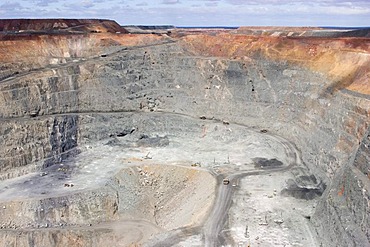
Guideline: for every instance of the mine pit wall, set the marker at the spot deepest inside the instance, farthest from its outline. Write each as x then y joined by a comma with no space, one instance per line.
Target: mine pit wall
260,93
59,238
79,209
19,55
35,144
38,141
342,216
52,92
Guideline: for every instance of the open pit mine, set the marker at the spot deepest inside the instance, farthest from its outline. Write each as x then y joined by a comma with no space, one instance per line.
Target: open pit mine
160,136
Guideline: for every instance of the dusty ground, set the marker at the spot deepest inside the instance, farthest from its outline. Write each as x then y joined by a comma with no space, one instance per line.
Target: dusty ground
166,183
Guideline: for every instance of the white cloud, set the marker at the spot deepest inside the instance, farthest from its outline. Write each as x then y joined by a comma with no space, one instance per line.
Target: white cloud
10,6
142,4
341,10
45,3
87,4
198,12
170,1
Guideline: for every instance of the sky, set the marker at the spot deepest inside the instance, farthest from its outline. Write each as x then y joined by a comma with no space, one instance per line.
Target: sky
198,12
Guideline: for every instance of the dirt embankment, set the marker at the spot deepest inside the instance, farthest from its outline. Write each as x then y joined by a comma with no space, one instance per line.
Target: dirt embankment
343,60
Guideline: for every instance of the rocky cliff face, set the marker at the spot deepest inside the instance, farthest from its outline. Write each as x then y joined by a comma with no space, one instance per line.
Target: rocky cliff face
72,91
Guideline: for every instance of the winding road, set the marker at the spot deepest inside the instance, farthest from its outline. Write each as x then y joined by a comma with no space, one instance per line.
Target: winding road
216,220
212,228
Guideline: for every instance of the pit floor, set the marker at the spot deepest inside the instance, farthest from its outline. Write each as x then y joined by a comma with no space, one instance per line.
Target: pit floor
249,211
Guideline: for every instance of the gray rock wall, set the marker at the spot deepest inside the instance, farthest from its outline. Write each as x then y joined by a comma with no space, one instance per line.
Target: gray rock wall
34,143
342,216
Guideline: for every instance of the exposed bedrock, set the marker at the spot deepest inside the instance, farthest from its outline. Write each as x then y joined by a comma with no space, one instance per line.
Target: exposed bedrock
48,115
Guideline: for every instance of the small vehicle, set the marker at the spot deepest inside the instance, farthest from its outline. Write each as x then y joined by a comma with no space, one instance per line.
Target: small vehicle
34,113
225,181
